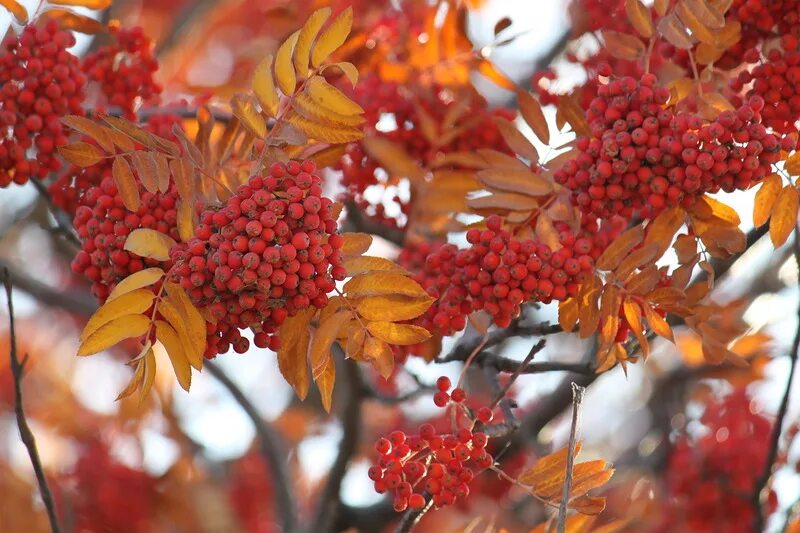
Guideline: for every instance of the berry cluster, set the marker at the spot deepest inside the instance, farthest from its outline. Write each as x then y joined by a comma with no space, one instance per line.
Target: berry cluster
41,82
103,224
497,274
641,156
124,69
710,479
67,189
438,464
777,82
391,114
760,20
269,252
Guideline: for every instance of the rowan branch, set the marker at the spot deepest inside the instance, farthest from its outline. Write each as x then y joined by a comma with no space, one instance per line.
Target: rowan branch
25,432
777,428
359,222
577,398
271,449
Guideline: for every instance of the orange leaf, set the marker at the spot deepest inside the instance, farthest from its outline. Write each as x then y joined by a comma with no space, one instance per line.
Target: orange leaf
505,201
363,264
355,244
640,18
293,352
145,164
149,243
706,13
662,229
568,313
487,68
70,20
532,113
619,249
657,323
81,154
126,184
674,31
17,10
518,181
91,4
548,467
380,354
90,128
392,157
399,334
784,216
637,259
516,140
623,45
382,284
691,20
323,338
765,199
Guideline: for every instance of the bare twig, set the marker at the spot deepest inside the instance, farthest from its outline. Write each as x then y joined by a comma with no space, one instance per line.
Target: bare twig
577,398
538,347
412,518
25,432
329,504
63,222
758,519
271,448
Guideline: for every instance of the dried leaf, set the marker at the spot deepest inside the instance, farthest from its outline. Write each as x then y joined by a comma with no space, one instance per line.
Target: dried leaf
146,168
355,244
149,243
81,154
520,181
399,334
326,95
383,284
765,199
168,337
137,280
613,255
516,140
332,37
17,10
111,333
640,18
623,45
784,216
91,129
134,302
126,184
309,31
534,116
393,158
392,308
284,69
546,232
293,352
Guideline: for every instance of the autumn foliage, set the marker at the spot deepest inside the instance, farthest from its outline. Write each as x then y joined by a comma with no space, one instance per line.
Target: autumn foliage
348,205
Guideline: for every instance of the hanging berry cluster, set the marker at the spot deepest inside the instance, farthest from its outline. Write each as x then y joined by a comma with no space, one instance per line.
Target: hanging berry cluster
641,157
437,464
269,252
41,82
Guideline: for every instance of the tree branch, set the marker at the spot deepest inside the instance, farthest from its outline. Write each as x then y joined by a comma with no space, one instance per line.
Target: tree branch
329,505
271,448
577,398
758,519
412,518
77,302
25,432
357,221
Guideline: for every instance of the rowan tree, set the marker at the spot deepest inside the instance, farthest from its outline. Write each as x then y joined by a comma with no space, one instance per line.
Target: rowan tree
348,207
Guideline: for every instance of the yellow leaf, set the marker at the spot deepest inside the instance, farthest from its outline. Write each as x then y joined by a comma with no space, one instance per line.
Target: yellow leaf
293,352
185,220
126,184
568,313
149,361
264,86
382,284
284,69
657,323
137,280
392,308
131,303
91,4
393,158
381,356
516,140
131,130
333,37
194,322
365,263
399,334
613,255
765,199
248,115
173,314
136,380
640,18
348,69
325,381
662,229
308,32
81,154
91,129
784,216
355,243
661,7
623,45
303,104
17,10
69,20
149,243
168,337
707,14
326,95
329,133
323,338
111,333
532,113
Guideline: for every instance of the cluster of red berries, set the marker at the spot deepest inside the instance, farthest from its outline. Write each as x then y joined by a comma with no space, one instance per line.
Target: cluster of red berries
67,189
124,70
760,20
269,252
710,479
497,274
391,114
41,82
641,157
103,225
440,465
777,82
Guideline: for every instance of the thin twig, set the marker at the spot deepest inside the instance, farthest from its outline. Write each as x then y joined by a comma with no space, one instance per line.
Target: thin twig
577,398
271,450
63,223
536,348
758,519
25,432
329,504
412,518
